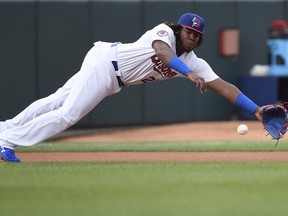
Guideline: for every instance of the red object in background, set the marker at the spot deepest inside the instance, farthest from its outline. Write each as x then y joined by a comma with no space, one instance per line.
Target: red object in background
279,24
278,29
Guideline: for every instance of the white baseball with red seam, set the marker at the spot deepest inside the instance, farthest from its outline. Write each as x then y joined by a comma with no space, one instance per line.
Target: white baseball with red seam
242,129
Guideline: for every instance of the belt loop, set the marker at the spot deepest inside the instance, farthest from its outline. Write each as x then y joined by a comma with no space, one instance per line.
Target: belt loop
114,44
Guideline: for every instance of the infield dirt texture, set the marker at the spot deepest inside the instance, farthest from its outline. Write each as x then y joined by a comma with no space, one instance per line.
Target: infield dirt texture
197,131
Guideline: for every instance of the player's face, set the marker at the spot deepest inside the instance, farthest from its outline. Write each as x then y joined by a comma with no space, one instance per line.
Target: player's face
189,39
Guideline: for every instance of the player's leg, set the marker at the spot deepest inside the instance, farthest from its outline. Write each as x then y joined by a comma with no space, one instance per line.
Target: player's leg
94,82
40,106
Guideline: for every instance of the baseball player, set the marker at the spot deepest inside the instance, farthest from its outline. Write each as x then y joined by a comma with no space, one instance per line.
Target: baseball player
164,52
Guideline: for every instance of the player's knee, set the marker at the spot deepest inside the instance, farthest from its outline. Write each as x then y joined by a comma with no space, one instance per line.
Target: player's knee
70,118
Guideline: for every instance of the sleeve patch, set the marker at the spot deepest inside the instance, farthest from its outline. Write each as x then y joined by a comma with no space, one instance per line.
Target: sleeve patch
162,33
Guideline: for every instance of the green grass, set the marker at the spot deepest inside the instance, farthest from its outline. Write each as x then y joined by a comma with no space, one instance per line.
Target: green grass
142,189
170,189
159,146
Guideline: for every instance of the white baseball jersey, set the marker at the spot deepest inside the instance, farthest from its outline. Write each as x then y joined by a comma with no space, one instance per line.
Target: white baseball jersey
139,64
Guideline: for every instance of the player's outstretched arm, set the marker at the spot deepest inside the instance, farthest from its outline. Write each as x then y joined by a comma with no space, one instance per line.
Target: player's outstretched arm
225,89
234,95
169,57
163,51
199,81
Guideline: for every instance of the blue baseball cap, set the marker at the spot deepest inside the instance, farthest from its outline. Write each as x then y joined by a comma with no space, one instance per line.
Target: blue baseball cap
192,21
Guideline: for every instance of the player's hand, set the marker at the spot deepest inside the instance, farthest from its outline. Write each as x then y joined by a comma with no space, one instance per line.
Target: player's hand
259,113
199,81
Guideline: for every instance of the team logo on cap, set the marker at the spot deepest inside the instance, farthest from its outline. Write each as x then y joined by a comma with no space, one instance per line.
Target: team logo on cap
196,22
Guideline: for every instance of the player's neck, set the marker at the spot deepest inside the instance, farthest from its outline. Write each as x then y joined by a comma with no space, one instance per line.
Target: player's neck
179,48
179,51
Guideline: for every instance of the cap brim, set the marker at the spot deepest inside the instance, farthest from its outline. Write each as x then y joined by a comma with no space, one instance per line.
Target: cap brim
192,29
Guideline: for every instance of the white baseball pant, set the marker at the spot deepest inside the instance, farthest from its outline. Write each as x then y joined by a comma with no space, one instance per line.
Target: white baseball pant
53,114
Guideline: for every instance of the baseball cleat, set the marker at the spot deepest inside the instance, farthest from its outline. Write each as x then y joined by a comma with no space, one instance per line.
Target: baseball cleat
8,155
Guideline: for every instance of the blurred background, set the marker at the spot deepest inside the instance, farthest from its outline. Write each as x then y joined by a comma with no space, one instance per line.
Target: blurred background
43,43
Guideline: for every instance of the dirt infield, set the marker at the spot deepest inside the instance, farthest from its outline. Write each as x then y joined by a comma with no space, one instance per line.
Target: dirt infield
197,131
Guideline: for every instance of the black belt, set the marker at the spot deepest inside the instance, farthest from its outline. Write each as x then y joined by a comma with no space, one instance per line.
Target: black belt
115,65
120,82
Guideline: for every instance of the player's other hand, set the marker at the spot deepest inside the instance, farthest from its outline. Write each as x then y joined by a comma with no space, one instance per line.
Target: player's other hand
259,113
199,81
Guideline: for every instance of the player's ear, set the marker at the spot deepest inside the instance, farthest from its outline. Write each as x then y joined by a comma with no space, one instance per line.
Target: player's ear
200,42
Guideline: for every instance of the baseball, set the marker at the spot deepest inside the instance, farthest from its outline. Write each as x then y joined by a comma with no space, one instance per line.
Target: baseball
242,129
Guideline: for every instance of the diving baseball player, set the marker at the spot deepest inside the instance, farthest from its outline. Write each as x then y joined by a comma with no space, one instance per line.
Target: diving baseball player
164,52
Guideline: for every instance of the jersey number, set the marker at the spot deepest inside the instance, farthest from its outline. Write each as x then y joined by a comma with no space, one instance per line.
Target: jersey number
150,79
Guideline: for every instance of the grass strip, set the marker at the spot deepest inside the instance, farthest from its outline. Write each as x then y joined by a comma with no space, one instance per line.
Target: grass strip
157,146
